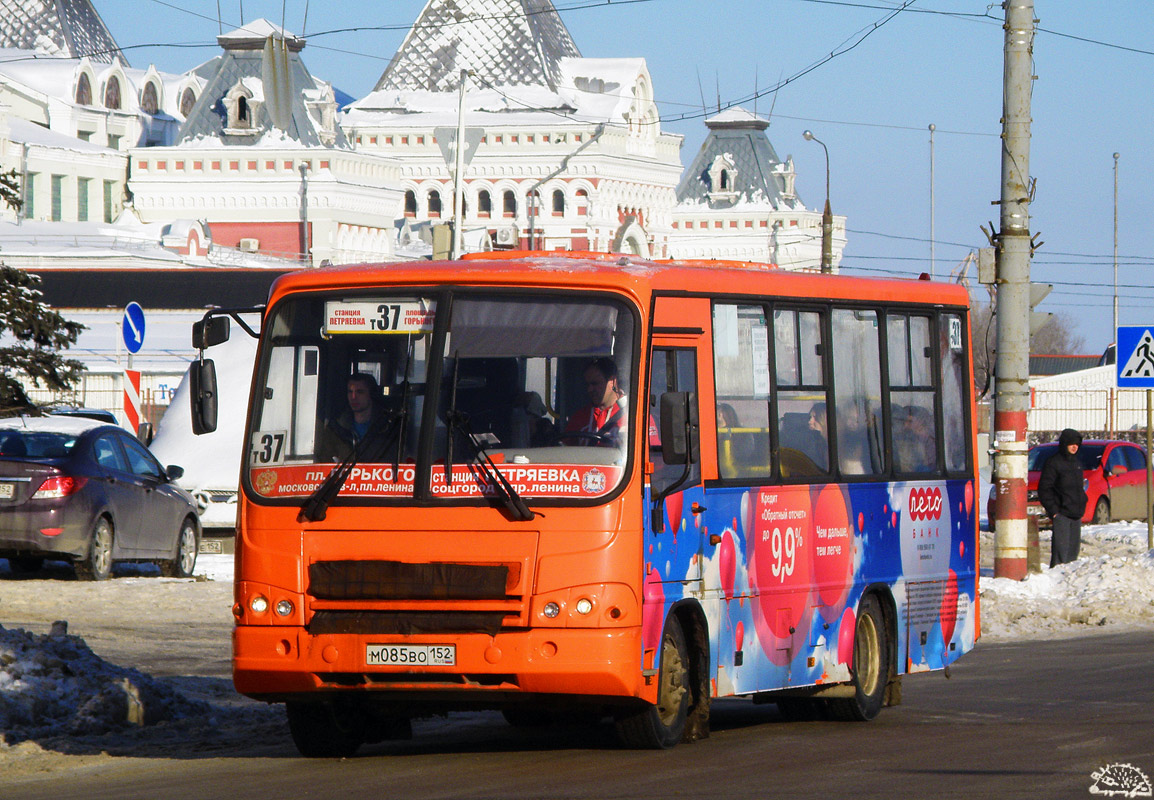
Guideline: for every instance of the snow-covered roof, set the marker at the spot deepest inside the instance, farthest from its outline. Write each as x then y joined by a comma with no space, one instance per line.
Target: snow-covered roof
25,132
69,28
504,42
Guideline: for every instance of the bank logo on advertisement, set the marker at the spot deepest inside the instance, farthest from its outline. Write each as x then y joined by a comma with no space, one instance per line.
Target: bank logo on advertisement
925,504
1121,780
593,482
266,481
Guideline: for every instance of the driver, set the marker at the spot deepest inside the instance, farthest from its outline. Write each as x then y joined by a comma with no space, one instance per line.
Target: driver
366,419
604,419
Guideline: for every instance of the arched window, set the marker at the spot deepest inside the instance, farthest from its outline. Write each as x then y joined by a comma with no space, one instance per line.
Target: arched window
410,203
509,204
484,203
84,90
724,180
149,103
187,101
434,203
112,93
558,203
242,112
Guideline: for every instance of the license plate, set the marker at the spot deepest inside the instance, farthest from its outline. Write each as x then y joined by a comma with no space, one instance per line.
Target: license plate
411,655
7,491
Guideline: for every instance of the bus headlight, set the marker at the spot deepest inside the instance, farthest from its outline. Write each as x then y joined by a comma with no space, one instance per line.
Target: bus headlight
551,610
284,608
584,606
259,604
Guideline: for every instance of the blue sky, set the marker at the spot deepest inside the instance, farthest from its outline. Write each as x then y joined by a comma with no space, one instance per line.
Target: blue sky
891,75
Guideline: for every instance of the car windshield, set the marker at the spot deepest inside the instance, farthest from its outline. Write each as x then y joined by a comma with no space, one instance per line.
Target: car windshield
1089,455
354,379
35,444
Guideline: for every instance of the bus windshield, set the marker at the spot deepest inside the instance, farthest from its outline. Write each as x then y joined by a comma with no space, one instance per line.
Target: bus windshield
444,395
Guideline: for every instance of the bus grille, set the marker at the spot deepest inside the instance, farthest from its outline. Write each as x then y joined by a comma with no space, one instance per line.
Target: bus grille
397,580
406,623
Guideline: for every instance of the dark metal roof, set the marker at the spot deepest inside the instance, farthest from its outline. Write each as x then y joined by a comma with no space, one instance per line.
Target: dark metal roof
739,135
1061,364
156,288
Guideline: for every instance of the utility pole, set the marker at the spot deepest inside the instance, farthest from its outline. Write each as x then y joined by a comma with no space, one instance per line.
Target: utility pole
1013,287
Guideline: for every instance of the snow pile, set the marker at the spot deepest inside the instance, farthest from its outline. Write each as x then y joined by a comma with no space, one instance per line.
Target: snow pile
54,684
1110,585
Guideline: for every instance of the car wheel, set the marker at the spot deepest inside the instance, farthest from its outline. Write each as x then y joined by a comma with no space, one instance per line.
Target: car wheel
97,565
186,550
1101,512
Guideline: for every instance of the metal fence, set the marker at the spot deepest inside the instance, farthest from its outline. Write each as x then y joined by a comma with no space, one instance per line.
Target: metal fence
1095,413
105,389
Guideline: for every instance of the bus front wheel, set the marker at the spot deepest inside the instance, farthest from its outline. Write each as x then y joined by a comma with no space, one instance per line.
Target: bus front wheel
324,729
871,666
660,726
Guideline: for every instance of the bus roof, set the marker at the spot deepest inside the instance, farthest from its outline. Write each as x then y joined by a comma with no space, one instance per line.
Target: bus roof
615,271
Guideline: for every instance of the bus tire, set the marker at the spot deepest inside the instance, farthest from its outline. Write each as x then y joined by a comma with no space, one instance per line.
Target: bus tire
871,666
325,729
661,726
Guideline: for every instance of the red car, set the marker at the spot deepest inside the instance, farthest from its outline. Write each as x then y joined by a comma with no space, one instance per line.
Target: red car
1115,481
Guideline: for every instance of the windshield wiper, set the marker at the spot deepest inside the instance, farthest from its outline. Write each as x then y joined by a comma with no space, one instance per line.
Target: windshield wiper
315,508
459,421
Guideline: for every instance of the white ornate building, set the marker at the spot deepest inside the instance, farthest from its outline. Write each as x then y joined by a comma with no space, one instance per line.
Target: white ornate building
569,152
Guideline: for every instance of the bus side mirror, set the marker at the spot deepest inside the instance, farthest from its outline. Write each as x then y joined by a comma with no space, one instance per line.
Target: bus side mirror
209,332
202,382
679,428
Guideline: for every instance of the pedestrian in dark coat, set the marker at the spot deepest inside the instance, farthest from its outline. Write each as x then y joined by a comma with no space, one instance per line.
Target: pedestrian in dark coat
1061,489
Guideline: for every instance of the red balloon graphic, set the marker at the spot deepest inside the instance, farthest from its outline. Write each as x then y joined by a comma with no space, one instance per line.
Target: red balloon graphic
653,614
845,633
833,543
779,551
950,607
962,548
738,636
860,522
726,561
969,496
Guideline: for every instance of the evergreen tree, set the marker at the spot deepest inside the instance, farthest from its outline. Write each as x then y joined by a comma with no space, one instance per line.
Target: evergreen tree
10,189
32,334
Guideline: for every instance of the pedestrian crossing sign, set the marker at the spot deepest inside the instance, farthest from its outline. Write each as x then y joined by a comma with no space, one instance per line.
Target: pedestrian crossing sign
1134,356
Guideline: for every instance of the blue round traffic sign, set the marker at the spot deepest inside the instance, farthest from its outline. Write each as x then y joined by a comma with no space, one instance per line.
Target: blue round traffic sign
132,327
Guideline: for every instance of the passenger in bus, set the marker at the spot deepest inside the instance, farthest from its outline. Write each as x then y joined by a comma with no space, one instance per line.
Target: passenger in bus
817,445
853,440
363,424
915,445
603,421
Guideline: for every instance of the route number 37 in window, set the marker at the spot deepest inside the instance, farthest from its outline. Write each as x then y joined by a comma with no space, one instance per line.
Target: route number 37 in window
267,448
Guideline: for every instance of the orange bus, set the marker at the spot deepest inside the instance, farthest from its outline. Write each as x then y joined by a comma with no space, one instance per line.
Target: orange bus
566,483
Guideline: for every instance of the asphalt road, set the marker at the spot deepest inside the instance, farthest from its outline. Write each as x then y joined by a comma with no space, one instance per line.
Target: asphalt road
1035,720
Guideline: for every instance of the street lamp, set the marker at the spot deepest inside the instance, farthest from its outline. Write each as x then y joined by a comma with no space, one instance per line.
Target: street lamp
827,215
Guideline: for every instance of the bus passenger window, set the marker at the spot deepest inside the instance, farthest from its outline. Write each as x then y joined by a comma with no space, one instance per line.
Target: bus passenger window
955,396
802,412
741,375
858,424
912,413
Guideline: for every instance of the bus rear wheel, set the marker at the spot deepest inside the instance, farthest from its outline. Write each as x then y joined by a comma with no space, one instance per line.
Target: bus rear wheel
871,662
326,729
661,726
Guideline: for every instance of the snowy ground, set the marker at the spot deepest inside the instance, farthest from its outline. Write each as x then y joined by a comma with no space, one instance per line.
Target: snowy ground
63,706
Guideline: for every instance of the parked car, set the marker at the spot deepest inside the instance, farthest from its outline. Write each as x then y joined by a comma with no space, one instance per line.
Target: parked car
77,489
1115,479
101,414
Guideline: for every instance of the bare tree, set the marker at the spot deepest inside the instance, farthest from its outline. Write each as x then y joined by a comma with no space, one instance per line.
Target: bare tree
1057,337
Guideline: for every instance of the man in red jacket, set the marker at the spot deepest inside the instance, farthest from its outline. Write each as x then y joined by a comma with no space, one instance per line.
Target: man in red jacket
603,420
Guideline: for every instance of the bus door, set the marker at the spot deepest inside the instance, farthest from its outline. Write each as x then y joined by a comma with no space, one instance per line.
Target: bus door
675,525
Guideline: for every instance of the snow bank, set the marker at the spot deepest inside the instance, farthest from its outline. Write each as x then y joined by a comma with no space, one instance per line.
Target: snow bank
54,684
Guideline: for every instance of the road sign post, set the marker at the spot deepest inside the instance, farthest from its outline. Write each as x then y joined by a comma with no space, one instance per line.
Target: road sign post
1134,369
